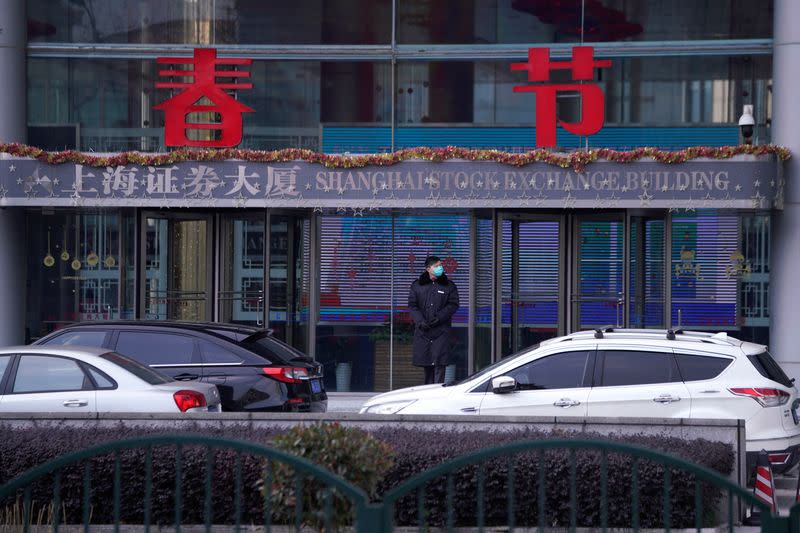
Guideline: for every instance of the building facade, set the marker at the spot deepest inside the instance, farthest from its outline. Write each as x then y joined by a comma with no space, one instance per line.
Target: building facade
324,252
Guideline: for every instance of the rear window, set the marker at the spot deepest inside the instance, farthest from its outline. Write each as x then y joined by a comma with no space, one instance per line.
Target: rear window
623,367
139,370
769,368
701,367
273,349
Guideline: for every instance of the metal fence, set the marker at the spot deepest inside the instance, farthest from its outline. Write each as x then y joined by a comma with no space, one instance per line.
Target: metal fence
181,480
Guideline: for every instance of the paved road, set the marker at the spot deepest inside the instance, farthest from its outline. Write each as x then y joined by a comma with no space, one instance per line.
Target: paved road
347,402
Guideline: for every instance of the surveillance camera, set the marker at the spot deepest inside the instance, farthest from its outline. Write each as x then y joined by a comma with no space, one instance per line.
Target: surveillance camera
747,122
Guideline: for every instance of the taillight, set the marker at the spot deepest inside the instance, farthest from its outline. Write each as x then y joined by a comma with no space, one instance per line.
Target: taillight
187,399
287,374
779,458
766,397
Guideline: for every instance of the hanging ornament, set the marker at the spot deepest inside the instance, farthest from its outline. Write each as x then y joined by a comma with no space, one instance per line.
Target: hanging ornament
64,252
92,259
110,262
49,260
76,263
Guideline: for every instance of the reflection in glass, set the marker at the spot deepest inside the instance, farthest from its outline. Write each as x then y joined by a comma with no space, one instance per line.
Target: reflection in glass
211,21
290,257
176,269
241,299
81,279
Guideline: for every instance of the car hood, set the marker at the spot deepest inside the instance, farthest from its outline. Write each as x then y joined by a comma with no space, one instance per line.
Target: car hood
426,392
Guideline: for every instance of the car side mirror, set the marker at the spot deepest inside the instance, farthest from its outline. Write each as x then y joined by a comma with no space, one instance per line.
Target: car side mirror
504,385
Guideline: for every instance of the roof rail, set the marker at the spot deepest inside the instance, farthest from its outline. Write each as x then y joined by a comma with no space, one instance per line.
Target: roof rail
598,332
672,332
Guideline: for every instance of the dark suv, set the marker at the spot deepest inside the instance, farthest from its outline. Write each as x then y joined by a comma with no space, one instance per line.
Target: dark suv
252,370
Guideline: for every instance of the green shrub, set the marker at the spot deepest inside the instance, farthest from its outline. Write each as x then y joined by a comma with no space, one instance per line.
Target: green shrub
349,453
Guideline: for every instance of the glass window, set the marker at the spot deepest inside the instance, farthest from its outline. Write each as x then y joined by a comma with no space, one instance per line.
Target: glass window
156,348
638,368
103,381
214,353
79,338
770,369
112,100
4,360
208,22
531,21
704,293
698,367
559,371
74,272
40,373
153,377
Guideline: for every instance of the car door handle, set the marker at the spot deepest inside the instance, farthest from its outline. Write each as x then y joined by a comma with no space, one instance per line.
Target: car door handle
566,402
216,378
666,398
76,403
469,409
185,377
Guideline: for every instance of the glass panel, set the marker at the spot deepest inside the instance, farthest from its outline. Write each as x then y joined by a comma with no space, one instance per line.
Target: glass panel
289,257
353,337
415,238
532,21
103,382
704,287
439,101
599,290
156,348
530,289
79,338
241,299
4,360
750,264
112,101
74,268
647,279
638,368
37,373
560,371
484,295
176,269
211,21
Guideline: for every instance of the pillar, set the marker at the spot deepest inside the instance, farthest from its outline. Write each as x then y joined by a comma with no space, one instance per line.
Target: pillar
13,128
785,261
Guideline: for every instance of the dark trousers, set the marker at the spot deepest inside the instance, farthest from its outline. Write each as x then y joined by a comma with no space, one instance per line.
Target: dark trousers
434,374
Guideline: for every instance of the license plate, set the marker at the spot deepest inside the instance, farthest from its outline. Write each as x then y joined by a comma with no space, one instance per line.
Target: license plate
316,387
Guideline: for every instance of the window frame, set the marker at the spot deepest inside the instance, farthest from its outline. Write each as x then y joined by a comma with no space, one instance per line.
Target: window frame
599,374
196,359
11,377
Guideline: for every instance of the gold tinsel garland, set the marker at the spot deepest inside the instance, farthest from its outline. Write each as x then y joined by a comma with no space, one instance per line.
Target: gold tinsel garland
576,160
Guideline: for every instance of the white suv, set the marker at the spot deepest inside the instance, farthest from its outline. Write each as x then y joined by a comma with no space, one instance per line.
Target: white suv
612,372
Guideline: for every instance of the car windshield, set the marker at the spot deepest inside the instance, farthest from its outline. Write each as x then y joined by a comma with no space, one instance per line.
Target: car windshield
271,348
139,370
489,369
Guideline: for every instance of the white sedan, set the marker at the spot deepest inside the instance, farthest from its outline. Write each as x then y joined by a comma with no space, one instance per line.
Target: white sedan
55,379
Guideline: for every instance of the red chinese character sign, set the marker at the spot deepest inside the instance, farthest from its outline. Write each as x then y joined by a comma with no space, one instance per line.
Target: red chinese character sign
582,68
204,86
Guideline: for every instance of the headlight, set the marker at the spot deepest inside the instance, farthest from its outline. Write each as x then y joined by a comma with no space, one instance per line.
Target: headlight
388,408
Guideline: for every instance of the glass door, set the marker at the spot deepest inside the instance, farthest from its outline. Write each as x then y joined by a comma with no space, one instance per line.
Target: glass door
289,278
532,259
240,298
598,297
647,286
176,253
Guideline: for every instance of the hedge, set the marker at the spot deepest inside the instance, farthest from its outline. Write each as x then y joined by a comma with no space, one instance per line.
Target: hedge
415,451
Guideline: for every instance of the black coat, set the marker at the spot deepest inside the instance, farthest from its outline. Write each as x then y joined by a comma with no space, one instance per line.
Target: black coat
426,300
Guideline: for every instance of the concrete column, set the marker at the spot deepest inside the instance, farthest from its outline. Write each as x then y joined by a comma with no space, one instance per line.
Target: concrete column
785,262
13,128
